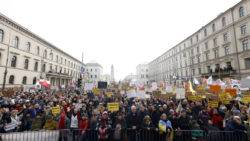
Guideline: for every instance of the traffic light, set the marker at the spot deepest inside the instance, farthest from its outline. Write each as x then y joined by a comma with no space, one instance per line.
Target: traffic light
79,82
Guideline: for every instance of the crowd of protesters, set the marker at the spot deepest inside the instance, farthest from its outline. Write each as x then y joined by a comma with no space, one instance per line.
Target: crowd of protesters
80,113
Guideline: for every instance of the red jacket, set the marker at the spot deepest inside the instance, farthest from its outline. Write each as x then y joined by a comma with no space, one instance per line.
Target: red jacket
62,121
83,124
217,120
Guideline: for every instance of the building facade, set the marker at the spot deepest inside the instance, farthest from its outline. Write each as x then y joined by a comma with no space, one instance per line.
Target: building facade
25,58
94,72
219,49
107,78
142,73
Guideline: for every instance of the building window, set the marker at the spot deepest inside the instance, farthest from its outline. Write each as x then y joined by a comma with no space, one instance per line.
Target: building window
13,61
244,44
34,80
192,61
56,68
91,76
247,63
57,58
28,46
216,55
197,37
1,35
51,56
24,80
37,50
198,49
16,42
193,71
213,27
50,67
199,69
225,37
215,42
91,70
208,69
191,41
241,11
95,76
199,59
44,68
243,29
227,50
11,79
206,45
45,54
192,51
65,61
205,32
26,64
36,66
223,21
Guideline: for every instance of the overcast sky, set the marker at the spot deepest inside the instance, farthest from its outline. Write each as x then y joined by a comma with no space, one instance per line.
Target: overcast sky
120,32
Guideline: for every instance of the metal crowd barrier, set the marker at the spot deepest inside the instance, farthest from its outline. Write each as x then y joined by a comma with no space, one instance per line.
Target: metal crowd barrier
125,135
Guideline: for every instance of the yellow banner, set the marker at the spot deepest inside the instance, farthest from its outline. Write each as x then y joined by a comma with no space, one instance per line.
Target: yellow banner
113,106
213,104
55,110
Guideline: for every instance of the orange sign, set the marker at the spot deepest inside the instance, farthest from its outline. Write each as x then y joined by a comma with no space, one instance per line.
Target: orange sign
215,89
232,91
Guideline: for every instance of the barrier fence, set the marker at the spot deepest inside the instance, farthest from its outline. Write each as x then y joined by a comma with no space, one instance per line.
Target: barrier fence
125,135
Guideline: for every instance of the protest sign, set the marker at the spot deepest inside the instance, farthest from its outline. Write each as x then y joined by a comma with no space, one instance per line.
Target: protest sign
213,104
109,94
113,106
96,91
88,86
180,93
231,91
215,89
55,110
194,98
246,99
225,98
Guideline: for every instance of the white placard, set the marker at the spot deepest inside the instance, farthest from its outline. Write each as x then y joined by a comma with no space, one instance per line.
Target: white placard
180,93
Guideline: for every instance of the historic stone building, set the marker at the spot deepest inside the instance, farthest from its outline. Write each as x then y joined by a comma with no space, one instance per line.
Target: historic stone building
26,58
219,49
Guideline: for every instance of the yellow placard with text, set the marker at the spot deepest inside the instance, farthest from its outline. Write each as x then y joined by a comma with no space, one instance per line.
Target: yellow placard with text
246,99
113,107
194,98
213,104
55,110
225,98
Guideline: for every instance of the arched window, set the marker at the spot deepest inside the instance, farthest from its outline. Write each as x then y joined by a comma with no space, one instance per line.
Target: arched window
26,64
36,66
37,50
34,80
45,54
223,21
44,68
213,27
13,61
0,58
57,58
24,80
1,35
241,11
28,46
16,42
11,79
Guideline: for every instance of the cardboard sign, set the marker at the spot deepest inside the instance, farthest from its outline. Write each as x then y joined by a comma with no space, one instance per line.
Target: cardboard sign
215,89
213,104
96,91
55,110
109,94
113,107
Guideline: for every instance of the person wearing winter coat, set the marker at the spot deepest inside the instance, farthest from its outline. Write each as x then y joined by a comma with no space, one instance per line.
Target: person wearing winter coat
238,129
132,124
83,127
148,130
217,119
104,127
